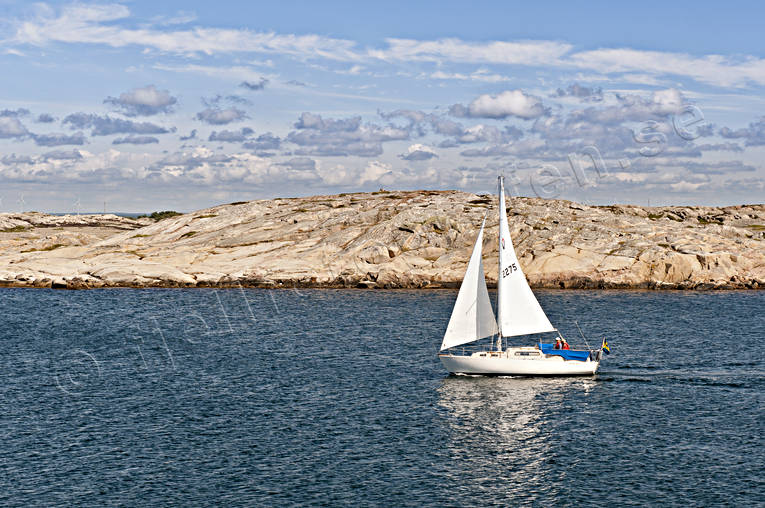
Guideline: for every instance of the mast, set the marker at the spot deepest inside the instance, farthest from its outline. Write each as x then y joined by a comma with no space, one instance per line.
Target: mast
501,186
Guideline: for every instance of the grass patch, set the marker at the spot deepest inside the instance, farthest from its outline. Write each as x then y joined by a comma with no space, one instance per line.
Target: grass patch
139,236
49,247
617,248
15,229
235,203
302,210
158,216
702,220
655,216
208,216
611,208
188,234
757,227
665,245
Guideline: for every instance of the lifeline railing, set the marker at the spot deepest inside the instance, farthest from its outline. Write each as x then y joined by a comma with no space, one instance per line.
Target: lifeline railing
466,350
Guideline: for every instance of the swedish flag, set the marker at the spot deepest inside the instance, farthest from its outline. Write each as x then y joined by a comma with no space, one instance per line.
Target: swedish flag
605,347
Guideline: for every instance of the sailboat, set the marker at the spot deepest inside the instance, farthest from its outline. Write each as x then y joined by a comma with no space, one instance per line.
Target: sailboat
518,314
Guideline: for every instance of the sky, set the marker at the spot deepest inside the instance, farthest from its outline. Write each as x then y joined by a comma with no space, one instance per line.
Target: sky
143,106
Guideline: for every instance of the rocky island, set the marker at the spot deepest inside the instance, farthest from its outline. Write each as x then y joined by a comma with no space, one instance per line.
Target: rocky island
397,239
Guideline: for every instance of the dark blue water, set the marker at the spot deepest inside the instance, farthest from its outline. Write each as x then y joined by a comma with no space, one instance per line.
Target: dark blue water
257,397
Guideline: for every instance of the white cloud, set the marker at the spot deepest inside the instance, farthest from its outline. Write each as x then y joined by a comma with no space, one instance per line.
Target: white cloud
754,134
84,24
93,24
456,50
217,116
713,69
77,165
418,152
143,101
374,172
181,18
479,75
336,175
59,139
202,165
233,72
508,103
11,127
342,137
667,101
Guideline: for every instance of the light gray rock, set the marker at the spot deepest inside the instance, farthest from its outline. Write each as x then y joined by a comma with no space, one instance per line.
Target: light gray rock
389,239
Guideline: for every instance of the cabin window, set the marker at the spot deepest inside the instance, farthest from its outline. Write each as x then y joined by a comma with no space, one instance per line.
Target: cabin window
526,353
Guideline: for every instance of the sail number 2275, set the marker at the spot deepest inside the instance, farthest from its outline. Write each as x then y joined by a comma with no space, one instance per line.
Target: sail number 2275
509,269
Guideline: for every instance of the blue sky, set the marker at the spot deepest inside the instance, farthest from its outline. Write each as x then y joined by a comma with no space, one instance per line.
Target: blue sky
184,105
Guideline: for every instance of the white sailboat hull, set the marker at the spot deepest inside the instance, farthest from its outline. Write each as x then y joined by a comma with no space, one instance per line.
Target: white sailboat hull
516,362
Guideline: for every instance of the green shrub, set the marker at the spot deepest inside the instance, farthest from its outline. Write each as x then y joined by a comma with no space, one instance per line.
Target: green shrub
158,216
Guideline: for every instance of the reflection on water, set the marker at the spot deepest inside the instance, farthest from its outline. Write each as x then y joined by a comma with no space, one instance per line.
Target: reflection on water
500,429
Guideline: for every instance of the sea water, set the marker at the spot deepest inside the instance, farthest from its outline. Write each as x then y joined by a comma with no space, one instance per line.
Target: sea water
336,397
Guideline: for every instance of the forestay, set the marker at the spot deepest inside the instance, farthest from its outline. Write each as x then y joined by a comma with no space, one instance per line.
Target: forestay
472,317
518,311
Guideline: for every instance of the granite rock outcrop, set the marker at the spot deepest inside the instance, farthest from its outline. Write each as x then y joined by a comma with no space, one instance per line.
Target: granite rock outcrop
397,239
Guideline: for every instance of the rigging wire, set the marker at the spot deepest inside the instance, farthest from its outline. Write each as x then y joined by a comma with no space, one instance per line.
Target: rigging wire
580,333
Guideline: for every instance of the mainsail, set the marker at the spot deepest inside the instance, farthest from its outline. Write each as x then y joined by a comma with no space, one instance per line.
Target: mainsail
472,317
518,311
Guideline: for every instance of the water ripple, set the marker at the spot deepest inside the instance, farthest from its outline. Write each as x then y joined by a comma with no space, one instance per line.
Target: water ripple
257,397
